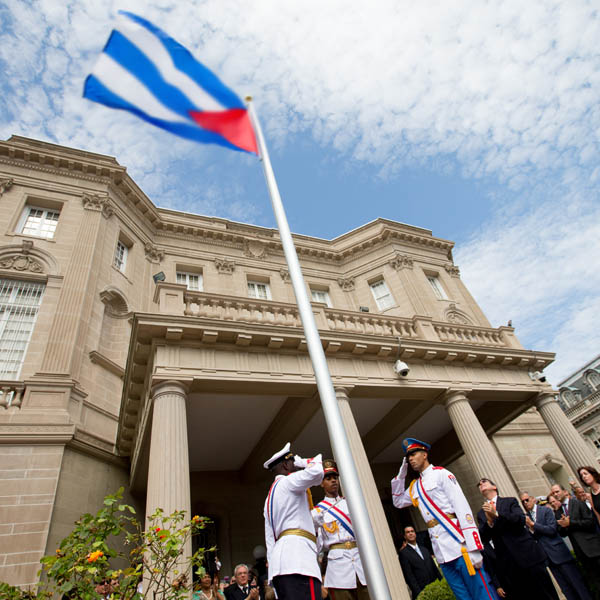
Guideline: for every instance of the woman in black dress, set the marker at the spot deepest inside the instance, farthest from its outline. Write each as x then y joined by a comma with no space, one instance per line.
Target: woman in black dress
590,477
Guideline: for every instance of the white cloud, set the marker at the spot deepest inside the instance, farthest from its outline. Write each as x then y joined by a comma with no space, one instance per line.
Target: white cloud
508,90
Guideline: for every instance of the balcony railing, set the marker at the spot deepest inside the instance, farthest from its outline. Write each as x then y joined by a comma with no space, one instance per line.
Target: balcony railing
248,310
469,335
584,405
11,394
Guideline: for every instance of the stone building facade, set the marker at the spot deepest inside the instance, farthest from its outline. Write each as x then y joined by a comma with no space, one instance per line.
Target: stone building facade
580,399
163,351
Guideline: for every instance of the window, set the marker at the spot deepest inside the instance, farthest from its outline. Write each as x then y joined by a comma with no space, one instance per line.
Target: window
19,304
438,290
382,295
320,296
258,290
120,260
40,222
594,437
193,281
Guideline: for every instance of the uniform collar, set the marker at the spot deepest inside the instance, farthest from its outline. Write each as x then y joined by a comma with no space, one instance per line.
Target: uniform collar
427,470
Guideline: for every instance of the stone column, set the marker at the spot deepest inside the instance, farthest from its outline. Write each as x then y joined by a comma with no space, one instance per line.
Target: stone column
478,449
169,466
69,328
570,442
383,537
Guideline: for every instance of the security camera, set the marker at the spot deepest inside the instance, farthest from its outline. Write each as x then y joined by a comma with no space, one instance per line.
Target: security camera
401,368
538,376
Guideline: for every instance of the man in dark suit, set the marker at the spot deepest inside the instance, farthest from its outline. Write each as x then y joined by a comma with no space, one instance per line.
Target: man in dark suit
240,589
578,522
502,522
542,524
416,562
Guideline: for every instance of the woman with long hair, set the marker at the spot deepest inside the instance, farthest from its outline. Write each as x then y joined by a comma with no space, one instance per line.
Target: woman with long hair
591,478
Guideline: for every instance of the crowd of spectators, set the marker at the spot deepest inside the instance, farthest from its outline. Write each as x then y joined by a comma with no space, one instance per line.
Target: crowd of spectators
525,540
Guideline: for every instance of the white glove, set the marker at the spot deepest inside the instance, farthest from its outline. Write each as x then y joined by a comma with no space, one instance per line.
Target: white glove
301,463
318,517
476,558
403,469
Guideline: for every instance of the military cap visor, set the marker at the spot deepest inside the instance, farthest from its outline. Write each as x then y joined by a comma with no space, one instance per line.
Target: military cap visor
279,456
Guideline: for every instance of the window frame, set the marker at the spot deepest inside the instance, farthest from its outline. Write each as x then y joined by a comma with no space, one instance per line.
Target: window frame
187,275
26,214
122,268
388,294
253,282
436,286
11,307
327,300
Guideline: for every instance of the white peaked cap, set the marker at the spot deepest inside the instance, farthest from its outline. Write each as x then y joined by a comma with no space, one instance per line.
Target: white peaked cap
277,457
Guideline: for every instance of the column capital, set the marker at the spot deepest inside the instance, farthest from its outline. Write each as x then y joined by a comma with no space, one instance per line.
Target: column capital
170,386
452,395
343,390
545,398
98,202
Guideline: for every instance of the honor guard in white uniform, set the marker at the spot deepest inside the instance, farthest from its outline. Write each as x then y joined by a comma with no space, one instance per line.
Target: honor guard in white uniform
289,530
344,578
446,512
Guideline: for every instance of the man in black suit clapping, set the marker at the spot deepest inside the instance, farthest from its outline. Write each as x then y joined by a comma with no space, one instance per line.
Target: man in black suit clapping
502,522
417,565
241,589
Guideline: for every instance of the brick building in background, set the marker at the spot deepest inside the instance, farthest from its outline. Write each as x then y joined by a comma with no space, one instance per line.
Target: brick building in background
163,351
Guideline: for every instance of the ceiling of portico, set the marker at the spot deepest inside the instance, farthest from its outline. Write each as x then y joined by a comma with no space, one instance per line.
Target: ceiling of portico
225,429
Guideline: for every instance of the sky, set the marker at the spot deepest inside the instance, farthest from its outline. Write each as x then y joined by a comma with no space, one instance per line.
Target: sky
479,121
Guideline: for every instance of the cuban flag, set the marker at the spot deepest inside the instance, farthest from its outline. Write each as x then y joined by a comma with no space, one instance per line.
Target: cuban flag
148,73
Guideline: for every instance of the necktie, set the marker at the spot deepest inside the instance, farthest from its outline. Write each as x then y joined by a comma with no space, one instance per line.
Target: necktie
532,514
418,551
246,591
566,507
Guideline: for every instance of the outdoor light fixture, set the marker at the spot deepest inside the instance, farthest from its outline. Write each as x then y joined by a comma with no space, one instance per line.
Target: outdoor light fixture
160,276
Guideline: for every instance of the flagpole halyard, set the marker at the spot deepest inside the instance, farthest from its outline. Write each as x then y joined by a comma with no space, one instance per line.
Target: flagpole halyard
369,552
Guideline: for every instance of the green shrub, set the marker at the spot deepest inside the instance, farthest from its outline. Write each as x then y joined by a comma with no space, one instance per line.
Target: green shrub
82,566
438,590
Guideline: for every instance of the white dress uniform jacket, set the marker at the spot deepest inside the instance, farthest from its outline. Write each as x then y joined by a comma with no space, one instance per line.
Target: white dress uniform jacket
441,486
343,565
286,507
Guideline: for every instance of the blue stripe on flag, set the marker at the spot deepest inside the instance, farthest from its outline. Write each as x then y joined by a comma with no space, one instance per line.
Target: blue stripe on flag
96,91
185,62
129,56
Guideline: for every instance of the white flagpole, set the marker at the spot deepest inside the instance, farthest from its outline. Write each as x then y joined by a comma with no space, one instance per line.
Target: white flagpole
367,546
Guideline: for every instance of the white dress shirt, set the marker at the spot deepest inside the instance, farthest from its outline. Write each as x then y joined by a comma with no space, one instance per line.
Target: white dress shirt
289,508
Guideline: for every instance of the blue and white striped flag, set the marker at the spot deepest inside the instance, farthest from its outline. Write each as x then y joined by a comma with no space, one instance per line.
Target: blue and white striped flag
148,73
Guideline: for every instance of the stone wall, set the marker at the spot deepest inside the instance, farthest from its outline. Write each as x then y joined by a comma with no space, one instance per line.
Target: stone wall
28,482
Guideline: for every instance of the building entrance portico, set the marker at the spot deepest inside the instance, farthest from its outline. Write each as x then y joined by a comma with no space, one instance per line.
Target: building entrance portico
204,404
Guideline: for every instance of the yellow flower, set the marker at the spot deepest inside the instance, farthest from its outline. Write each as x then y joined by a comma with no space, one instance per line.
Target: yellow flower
94,556
195,519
